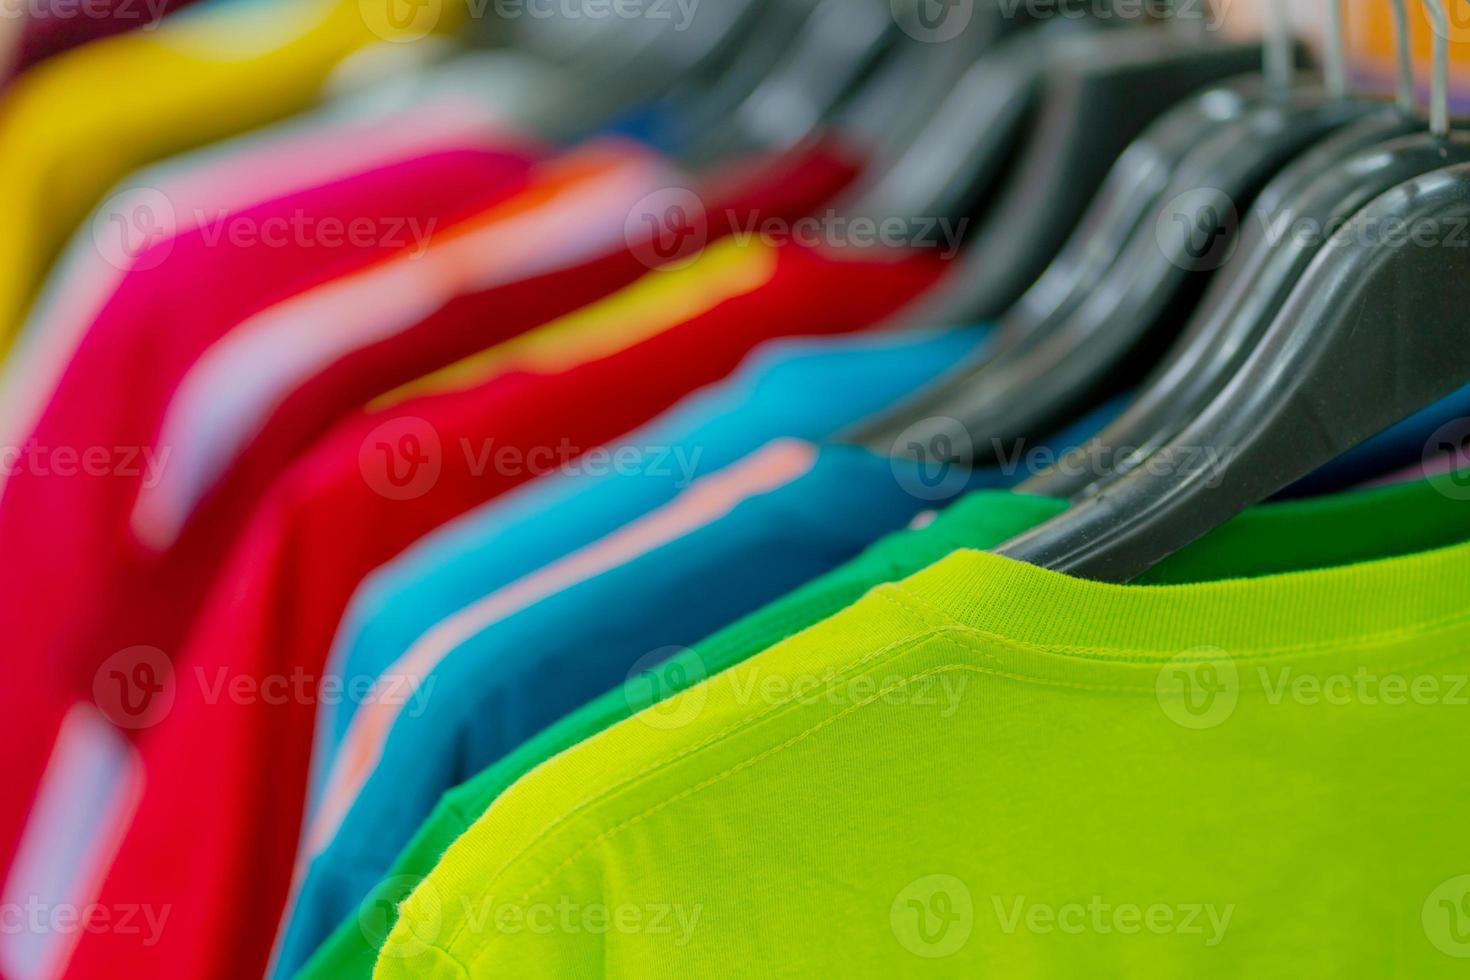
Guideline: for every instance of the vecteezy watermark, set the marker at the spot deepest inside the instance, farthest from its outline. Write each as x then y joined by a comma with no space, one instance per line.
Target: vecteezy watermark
670,228
933,917
1097,460
568,917
1455,28
403,21
932,459
404,458
678,14
136,228
136,688
1446,917
670,688
1447,459
832,230
1198,230
1363,231
422,912
1125,10
1199,688
142,15
222,685
934,21
401,459
143,463
1204,920
34,916
415,904
1290,684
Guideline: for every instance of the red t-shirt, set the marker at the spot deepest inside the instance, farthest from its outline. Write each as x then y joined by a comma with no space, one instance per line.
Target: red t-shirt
77,532
63,520
222,791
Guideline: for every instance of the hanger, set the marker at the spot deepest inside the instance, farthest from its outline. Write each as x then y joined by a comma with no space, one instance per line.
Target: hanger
1371,334
1121,326
1130,192
704,100
839,43
636,61
1101,91
1319,190
948,166
893,115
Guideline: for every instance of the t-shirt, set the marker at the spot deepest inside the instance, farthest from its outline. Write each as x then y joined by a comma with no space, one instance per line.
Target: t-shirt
989,767
796,388
800,389
292,367
207,73
1271,539
402,471
485,679
65,520
53,26
373,128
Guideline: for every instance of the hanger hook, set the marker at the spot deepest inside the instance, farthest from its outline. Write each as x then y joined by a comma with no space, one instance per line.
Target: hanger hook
1335,63
1407,91
1439,104
1278,49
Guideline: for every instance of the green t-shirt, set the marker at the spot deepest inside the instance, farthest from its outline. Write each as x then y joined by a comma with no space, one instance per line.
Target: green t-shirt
1339,530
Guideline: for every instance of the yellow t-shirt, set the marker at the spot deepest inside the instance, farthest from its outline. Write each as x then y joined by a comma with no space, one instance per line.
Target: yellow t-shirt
989,769
74,125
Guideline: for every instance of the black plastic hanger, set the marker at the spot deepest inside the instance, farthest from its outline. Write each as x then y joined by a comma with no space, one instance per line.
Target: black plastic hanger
633,62
706,105
1373,332
892,116
949,165
1129,194
1319,190
840,43
1101,92
1122,327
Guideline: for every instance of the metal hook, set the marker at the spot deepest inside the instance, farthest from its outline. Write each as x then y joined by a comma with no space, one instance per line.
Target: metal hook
1335,62
1278,50
1407,92
1439,103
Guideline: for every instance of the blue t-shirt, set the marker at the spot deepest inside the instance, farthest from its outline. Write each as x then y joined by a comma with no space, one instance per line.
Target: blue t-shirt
802,389
805,389
521,673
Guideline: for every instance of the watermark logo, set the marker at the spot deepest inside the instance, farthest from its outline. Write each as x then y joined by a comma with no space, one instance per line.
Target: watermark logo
1456,26
1446,917
1205,921
1199,688
666,689
402,459
420,915
401,21
931,459
933,21
135,688
1197,229
678,14
668,229
933,917
134,229
1447,459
